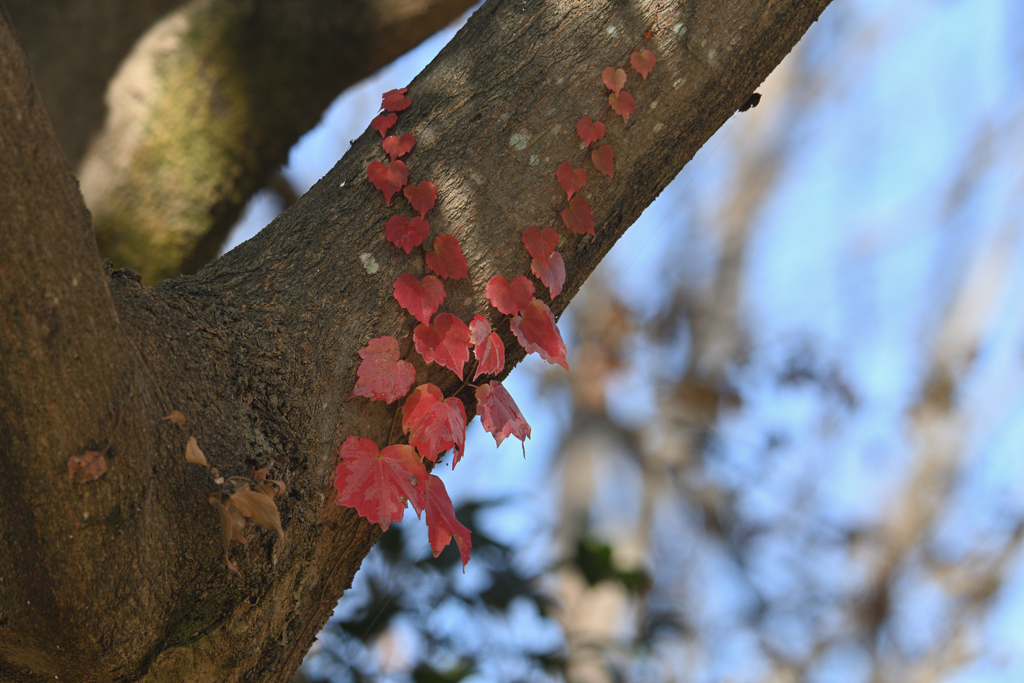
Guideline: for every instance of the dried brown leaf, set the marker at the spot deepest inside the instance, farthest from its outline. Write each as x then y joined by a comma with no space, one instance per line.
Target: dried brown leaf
226,527
175,416
194,454
272,487
87,466
259,475
260,508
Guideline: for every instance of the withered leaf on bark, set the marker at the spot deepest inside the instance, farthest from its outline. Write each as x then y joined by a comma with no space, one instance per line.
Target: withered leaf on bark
260,508
175,416
87,466
194,454
231,524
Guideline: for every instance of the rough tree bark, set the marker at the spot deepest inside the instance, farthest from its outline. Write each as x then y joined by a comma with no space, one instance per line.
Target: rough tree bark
123,578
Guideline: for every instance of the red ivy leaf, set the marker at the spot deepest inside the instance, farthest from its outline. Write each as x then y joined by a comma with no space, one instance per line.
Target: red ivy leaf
571,179
604,160
537,332
378,483
488,347
388,179
499,414
578,217
613,79
509,298
446,259
422,299
540,242
442,523
383,122
434,424
382,376
622,103
395,146
422,196
406,234
589,131
395,100
446,342
550,271
642,62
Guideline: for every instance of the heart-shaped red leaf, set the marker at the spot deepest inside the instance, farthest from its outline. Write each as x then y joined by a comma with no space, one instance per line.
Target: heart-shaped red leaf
604,160
383,122
382,376
571,179
433,423
446,342
613,79
589,131
405,233
509,298
537,332
622,104
642,62
499,414
550,271
395,146
447,259
422,196
378,483
578,217
395,100
540,242
488,347
388,179
441,521
422,299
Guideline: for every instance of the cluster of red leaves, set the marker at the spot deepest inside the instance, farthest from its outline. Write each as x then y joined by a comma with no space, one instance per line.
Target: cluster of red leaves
379,483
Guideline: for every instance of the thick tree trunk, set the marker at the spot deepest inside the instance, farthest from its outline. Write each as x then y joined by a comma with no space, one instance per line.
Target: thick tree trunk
123,578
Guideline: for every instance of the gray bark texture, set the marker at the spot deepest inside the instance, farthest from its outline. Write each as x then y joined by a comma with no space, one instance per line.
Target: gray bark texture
123,578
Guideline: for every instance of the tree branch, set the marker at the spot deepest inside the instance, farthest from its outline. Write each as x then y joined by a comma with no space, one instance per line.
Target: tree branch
208,104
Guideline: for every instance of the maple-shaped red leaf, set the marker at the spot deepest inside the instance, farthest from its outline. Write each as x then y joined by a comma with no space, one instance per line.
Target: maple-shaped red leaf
509,298
578,216
536,330
422,299
447,259
421,195
395,100
382,376
383,122
499,414
446,342
613,79
441,521
622,104
388,179
589,131
571,179
550,271
604,160
378,483
488,347
540,242
405,233
395,146
433,423
642,62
